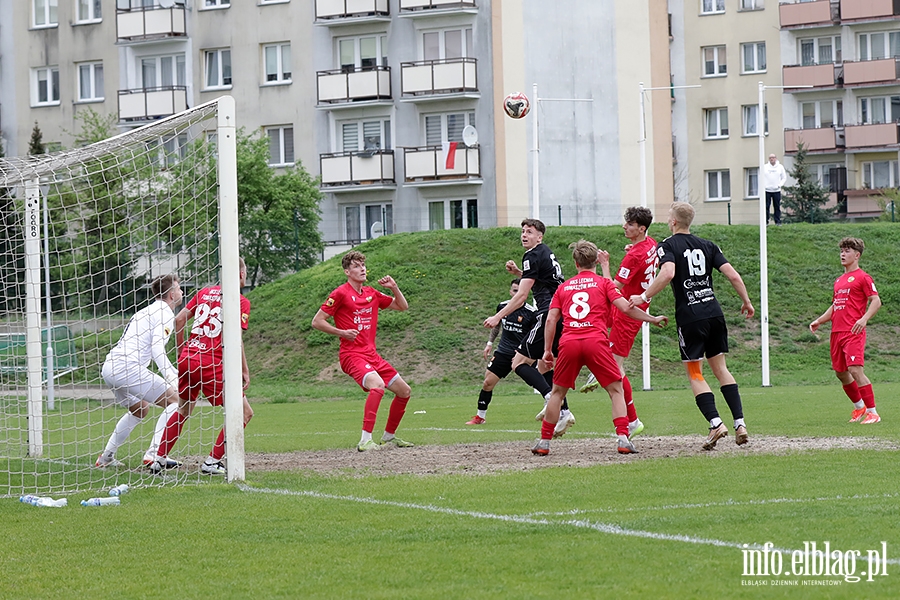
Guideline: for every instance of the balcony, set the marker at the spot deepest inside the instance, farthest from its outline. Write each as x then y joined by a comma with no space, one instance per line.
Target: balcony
821,13
151,103
871,136
341,86
862,204
428,165
427,8
885,71
144,23
822,140
853,10
817,76
357,170
340,12
426,79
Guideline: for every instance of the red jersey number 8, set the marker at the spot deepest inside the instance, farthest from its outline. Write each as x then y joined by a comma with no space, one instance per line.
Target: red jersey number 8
579,307
207,321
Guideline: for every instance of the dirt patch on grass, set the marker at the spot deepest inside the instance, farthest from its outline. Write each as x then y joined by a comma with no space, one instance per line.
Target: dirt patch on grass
476,459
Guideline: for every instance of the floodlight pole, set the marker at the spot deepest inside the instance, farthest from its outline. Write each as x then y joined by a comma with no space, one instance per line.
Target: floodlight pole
642,143
536,146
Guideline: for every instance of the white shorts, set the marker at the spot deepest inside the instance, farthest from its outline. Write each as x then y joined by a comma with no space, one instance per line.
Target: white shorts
132,383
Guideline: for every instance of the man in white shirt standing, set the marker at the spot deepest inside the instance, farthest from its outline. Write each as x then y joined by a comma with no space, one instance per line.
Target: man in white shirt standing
774,178
126,370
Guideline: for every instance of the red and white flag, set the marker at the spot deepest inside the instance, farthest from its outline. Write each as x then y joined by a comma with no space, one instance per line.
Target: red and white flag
449,155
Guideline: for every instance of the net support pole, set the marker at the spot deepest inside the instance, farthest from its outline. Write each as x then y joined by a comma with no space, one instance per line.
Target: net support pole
33,318
231,288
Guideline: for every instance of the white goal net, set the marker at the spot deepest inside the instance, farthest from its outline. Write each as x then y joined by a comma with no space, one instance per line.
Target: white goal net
84,233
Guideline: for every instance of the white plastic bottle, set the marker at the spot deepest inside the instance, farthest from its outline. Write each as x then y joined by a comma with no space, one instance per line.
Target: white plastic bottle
28,499
101,502
51,502
119,490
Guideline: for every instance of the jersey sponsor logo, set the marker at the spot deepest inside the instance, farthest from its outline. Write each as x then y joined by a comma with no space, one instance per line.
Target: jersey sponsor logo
624,272
329,302
691,283
660,252
526,265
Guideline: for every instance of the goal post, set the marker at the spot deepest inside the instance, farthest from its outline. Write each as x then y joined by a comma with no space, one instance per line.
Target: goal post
85,232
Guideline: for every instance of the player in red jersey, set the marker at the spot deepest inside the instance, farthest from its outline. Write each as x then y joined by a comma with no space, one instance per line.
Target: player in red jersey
200,369
634,276
584,303
354,308
848,313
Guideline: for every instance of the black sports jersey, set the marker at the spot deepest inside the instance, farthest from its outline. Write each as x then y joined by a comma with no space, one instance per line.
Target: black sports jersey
540,264
514,326
694,259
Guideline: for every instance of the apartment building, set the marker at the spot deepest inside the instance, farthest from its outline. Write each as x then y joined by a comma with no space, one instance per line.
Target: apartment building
842,96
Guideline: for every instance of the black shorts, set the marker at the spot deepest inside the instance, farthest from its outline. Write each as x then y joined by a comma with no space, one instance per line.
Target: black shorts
501,364
533,344
707,337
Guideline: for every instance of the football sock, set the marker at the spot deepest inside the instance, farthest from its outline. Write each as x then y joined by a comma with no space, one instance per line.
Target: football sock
629,399
565,404
547,430
548,377
868,395
387,437
733,398
713,423
161,427
621,424
373,400
484,398
218,450
123,429
366,437
859,404
398,409
739,423
533,377
852,391
482,414
171,434
706,402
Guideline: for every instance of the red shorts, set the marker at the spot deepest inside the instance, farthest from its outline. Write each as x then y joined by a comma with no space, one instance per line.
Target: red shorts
195,376
624,331
847,349
358,366
589,352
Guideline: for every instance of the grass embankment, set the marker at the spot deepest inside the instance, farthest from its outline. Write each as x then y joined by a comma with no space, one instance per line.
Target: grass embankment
454,279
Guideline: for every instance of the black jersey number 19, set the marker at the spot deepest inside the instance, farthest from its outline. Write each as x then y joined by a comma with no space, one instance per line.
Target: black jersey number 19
696,262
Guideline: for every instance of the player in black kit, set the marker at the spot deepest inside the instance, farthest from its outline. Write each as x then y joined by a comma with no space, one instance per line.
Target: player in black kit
687,262
512,329
541,275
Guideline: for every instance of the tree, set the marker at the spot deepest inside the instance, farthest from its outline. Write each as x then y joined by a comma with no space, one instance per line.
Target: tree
805,200
36,144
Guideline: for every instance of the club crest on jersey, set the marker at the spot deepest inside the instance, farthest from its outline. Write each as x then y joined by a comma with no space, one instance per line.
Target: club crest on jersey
368,298
520,318
851,279
329,302
167,331
244,318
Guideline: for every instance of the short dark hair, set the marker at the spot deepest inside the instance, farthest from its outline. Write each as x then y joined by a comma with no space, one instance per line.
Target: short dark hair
352,257
640,215
853,244
163,284
516,281
534,223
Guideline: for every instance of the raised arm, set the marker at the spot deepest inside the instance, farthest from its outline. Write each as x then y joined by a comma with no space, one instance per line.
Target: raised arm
662,279
514,304
399,302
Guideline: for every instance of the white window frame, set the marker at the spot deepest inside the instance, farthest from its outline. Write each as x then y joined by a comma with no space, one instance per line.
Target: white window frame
220,80
93,68
282,158
837,113
282,76
825,169
868,173
47,12
447,214
467,49
837,56
865,49
751,173
263,2
365,229
380,50
755,67
751,109
720,115
469,119
385,138
215,4
867,109
93,7
748,5
179,70
712,7
720,61
49,72
721,176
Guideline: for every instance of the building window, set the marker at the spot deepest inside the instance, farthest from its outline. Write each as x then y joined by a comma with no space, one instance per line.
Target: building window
45,86
716,123
274,1
820,51
885,109
218,68
90,82
754,57
88,11
162,71
880,174
822,113
216,3
823,172
281,146
453,214
44,13
712,7
714,61
752,5
718,185
751,122
363,52
277,58
447,43
751,182
446,127
367,221
875,46
370,135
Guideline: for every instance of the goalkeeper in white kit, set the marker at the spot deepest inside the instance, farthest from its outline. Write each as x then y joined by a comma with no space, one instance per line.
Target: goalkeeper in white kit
126,370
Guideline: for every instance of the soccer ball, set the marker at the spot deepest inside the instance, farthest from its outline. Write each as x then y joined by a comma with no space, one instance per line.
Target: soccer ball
516,105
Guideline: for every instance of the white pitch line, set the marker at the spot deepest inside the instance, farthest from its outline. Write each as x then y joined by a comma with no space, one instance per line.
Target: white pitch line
536,430
609,528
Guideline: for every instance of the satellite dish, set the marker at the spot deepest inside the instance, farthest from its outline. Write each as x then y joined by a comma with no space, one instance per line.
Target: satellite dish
167,3
470,136
377,230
